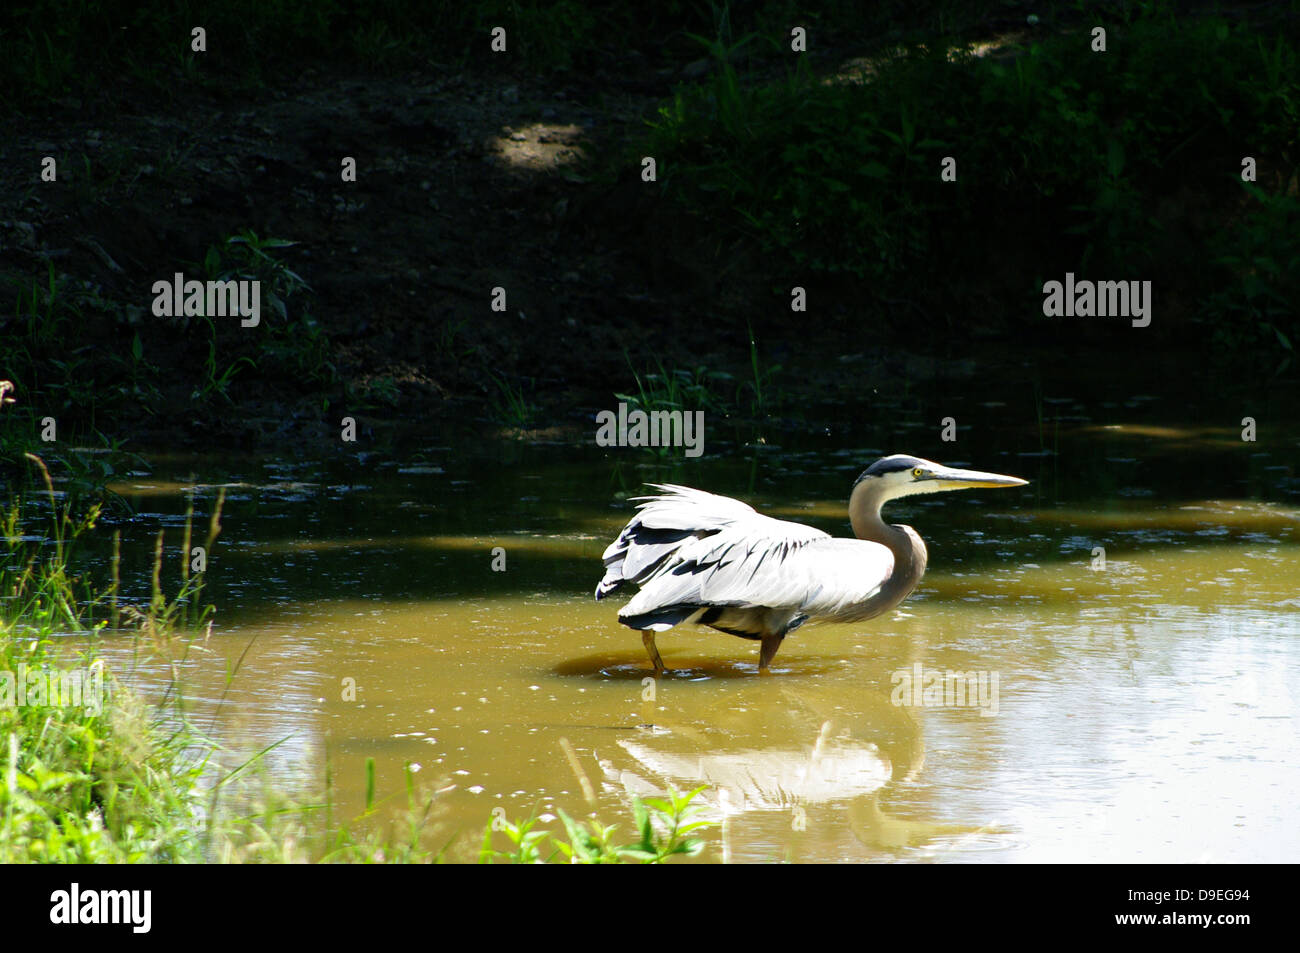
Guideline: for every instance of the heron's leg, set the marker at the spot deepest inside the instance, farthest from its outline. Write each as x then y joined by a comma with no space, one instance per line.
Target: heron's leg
648,639
768,652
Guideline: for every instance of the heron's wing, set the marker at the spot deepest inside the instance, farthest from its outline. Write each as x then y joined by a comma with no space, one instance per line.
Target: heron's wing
783,581
653,541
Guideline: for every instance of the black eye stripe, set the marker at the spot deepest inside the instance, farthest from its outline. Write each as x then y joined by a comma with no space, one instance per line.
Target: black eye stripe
884,465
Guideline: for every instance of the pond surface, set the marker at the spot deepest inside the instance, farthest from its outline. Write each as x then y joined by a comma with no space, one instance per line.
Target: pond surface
1136,705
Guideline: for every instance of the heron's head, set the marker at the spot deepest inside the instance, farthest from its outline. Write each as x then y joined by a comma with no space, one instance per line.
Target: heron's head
902,475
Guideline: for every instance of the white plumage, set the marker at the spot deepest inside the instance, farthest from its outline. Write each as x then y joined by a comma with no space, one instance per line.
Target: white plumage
690,551
699,557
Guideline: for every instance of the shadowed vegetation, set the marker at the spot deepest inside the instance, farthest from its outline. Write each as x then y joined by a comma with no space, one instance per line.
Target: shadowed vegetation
1121,164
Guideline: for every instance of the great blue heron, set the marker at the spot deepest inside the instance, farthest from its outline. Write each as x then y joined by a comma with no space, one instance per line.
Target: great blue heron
712,560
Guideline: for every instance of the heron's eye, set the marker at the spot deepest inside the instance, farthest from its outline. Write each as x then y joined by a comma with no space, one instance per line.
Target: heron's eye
918,472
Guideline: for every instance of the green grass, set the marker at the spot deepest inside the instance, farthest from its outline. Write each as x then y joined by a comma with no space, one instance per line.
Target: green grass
679,388
662,828
510,405
105,779
720,393
764,392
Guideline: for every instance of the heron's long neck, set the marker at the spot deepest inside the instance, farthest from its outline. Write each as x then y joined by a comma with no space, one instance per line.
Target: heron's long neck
904,542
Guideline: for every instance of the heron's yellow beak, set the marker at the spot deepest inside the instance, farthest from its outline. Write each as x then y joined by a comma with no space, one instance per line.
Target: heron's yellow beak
951,479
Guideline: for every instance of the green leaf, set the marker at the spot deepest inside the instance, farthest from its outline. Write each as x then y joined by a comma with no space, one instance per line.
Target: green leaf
1282,338
642,817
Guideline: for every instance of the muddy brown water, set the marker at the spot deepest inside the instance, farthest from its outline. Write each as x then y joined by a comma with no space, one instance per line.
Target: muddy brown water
1144,709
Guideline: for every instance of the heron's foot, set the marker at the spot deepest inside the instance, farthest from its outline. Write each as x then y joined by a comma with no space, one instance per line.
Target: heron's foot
648,640
768,652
